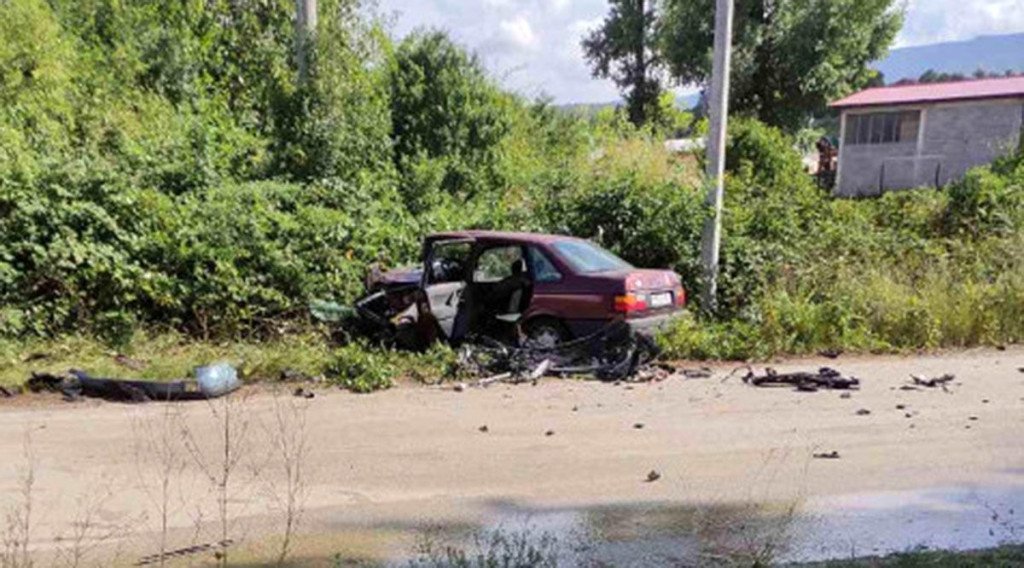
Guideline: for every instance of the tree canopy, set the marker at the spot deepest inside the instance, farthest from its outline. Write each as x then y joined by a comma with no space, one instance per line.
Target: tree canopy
624,49
790,57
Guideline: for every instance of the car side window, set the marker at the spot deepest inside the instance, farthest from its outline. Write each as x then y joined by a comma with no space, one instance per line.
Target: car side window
448,262
541,267
495,264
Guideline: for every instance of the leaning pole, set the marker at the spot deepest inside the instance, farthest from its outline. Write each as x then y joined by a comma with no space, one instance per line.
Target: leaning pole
712,236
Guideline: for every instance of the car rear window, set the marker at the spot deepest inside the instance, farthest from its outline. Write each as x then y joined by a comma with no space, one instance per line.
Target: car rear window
588,258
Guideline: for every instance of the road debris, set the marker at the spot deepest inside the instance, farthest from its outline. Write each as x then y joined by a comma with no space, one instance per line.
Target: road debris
615,353
701,373
303,393
830,353
639,426
653,476
933,382
549,433
825,378
833,455
211,382
484,429
863,412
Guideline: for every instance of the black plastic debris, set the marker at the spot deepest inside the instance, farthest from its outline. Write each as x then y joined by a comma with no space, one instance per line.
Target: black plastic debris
833,455
701,373
825,378
940,382
653,476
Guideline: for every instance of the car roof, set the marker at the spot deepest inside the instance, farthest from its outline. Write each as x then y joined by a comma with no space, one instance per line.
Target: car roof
512,236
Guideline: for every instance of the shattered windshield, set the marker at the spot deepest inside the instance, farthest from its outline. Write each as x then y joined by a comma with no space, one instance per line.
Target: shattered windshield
588,258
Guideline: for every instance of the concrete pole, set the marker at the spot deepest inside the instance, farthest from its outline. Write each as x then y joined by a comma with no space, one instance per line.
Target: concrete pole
305,28
719,102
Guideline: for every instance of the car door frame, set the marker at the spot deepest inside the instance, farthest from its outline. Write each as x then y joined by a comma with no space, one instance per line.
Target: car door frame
444,300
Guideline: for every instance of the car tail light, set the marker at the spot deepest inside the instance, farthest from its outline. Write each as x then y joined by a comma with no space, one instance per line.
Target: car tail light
680,295
629,303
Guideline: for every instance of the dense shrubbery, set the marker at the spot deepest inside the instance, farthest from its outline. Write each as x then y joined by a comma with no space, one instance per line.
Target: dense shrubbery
915,269
161,168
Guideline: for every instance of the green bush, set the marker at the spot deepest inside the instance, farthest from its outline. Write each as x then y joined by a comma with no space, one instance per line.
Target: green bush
161,168
360,369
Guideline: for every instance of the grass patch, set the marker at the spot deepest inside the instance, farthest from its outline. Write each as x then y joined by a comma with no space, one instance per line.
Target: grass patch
164,356
169,356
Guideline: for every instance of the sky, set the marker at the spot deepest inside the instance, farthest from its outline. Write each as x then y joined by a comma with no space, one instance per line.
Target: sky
533,46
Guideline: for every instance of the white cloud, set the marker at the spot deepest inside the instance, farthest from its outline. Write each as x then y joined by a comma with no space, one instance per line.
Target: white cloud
518,32
932,21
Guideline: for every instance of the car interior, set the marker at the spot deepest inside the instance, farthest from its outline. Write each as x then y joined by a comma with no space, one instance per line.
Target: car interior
490,301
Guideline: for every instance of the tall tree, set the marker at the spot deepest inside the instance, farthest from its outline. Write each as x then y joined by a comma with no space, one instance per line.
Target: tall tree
623,50
448,119
790,57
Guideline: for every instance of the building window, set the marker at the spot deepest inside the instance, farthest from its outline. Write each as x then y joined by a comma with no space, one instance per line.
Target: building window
883,127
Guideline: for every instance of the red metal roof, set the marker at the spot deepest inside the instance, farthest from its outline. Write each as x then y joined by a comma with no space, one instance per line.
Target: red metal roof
1003,87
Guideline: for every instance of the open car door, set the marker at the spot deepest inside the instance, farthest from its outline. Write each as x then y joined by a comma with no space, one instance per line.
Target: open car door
444,280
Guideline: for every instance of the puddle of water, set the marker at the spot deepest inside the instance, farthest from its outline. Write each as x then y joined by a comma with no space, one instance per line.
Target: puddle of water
818,529
958,518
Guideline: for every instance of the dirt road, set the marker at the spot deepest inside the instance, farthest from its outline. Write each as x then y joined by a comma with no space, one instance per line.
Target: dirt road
417,455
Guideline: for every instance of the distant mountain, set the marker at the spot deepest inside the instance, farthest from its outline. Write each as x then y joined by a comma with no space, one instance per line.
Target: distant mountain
995,53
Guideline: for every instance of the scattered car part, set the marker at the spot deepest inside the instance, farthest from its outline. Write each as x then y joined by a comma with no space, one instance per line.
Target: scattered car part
933,382
825,378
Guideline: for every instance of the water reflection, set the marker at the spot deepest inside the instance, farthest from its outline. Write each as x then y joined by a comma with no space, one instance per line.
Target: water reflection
746,534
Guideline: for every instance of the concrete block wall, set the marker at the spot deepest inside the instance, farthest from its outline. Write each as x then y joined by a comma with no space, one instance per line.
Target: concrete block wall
955,137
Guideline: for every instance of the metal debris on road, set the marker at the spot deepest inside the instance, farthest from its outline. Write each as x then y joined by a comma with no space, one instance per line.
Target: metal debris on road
825,378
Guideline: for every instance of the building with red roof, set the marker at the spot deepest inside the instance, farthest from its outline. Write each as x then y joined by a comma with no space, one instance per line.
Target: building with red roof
926,134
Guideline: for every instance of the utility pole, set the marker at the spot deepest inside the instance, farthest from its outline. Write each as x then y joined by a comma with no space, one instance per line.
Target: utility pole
305,29
712,236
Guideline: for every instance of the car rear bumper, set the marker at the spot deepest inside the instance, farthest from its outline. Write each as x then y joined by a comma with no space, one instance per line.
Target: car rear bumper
651,325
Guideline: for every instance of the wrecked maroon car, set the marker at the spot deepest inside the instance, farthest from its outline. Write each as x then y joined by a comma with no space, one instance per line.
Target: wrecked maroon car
523,288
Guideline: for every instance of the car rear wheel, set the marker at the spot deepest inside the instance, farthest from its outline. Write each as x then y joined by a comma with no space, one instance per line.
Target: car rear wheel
545,333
